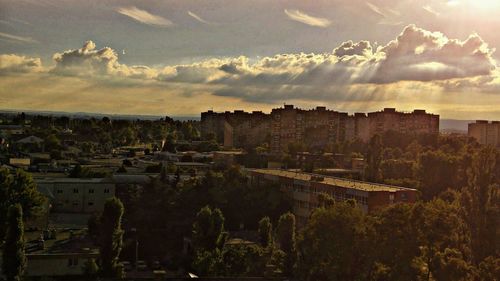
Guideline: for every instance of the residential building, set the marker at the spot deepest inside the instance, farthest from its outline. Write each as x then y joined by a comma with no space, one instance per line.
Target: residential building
304,189
77,195
314,128
486,133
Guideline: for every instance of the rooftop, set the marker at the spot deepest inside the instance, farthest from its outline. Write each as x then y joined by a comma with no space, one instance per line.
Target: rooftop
332,181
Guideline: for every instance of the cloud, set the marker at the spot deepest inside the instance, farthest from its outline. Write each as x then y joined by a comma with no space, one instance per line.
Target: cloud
376,9
417,63
431,10
144,16
19,64
198,18
6,36
87,61
304,18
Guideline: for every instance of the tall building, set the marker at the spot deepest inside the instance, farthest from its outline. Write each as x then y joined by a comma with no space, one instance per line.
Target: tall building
485,133
315,128
304,189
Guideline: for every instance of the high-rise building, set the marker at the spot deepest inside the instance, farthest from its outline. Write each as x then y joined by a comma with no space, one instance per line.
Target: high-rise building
486,133
314,128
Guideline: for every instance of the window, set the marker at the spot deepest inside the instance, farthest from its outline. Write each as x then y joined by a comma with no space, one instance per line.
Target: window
59,191
106,190
75,203
75,190
72,262
90,203
91,190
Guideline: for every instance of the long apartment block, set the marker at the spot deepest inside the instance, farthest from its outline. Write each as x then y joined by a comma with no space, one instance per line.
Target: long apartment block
304,189
315,128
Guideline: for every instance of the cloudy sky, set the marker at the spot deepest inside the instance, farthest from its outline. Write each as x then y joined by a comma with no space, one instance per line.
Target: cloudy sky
181,57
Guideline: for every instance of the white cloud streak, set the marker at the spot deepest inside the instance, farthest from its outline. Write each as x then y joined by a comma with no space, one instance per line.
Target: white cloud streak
6,36
198,18
304,18
143,16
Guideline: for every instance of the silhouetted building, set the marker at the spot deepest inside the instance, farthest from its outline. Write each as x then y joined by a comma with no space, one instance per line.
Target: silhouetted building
486,133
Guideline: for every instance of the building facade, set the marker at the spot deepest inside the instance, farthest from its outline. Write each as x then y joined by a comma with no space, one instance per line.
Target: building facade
75,195
314,128
304,189
486,133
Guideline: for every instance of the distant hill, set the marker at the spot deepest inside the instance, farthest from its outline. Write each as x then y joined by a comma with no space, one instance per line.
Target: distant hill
454,125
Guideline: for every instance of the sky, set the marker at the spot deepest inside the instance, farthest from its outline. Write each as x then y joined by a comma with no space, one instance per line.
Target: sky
182,57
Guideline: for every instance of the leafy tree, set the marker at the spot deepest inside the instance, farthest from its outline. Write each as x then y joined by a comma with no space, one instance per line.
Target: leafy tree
450,266
436,172
18,189
489,269
374,159
394,244
335,244
14,259
91,269
439,227
286,239
481,205
265,231
208,229
111,235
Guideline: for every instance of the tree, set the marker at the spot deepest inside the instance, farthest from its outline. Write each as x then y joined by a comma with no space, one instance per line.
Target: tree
91,269
374,159
481,205
286,239
436,172
208,229
265,231
18,189
394,243
450,266
14,259
335,244
111,235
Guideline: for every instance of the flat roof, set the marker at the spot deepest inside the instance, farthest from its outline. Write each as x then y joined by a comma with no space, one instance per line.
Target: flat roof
332,181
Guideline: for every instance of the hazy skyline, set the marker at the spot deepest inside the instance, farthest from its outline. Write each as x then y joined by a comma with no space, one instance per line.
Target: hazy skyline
184,57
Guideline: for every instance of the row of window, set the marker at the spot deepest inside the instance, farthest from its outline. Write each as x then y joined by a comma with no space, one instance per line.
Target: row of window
76,191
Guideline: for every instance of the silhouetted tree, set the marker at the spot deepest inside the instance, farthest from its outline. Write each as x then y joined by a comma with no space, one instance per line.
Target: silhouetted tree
14,259
111,235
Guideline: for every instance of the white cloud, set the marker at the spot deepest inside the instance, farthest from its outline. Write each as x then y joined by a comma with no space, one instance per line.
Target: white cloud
17,64
6,36
304,18
198,18
431,10
376,9
144,16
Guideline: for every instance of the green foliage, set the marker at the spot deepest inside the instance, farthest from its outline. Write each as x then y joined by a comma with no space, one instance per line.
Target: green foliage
285,236
83,172
208,230
481,204
265,232
91,269
111,234
13,258
436,172
18,189
335,244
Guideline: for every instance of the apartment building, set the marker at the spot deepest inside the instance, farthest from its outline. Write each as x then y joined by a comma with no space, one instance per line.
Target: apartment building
75,195
314,128
486,133
304,189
